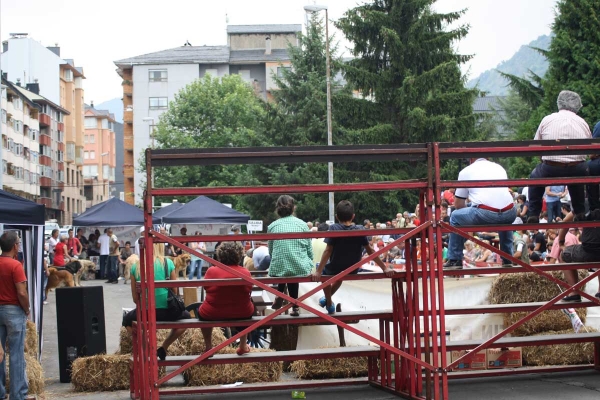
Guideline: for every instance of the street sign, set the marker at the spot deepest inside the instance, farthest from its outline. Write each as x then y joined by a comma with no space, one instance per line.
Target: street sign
255,225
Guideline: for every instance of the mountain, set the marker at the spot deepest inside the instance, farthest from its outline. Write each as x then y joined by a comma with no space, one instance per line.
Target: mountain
115,106
525,59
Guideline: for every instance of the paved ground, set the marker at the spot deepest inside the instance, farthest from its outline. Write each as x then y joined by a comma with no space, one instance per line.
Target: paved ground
580,386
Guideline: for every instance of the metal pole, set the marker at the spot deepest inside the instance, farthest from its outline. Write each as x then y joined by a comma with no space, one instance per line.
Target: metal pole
329,127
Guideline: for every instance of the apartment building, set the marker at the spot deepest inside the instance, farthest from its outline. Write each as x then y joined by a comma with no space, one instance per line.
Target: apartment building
20,130
99,155
150,82
60,82
52,175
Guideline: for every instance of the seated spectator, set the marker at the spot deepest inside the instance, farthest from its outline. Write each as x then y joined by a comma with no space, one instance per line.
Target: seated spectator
342,253
260,256
570,240
487,255
471,252
534,256
522,207
520,249
227,302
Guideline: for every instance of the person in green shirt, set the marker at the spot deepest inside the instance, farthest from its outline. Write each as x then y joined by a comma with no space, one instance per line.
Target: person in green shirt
160,296
289,257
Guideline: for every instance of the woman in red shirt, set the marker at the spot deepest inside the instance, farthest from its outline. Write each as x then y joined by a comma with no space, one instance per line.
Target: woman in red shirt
227,302
61,256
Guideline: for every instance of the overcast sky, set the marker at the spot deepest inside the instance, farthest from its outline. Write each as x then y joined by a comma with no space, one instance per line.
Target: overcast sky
96,33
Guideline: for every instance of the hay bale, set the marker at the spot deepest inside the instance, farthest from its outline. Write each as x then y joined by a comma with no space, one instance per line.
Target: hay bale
530,287
190,343
31,340
527,287
205,375
35,374
559,354
333,368
552,320
100,373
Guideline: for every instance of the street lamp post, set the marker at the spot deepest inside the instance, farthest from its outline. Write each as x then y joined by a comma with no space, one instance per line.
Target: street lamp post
103,155
151,121
312,9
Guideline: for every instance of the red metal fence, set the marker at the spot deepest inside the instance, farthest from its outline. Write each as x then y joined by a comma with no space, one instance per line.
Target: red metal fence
409,358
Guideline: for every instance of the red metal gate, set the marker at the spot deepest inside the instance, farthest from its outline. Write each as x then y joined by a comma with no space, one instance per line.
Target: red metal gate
405,362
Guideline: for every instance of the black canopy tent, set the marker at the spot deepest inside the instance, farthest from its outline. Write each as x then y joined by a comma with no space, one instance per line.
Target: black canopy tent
112,212
157,217
27,217
204,210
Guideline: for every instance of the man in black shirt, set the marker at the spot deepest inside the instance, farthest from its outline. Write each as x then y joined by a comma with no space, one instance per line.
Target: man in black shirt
343,252
587,251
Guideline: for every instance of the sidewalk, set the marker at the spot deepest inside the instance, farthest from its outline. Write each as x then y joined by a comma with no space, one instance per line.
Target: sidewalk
580,386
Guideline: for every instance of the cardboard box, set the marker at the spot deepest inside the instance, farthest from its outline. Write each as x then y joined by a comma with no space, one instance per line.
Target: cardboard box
477,361
504,358
190,295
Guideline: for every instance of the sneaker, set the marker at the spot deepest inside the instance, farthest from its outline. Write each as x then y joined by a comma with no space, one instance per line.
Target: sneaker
45,303
331,309
108,281
575,298
507,265
161,353
323,302
115,282
453,264
120,278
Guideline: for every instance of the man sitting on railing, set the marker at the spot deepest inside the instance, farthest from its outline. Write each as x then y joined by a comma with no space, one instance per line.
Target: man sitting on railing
587,251
563,125
342,253
489,206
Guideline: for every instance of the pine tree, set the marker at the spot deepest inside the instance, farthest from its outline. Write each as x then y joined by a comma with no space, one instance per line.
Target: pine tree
405,64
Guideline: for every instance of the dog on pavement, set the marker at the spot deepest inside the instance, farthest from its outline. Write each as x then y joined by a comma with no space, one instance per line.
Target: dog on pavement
181,262
131,260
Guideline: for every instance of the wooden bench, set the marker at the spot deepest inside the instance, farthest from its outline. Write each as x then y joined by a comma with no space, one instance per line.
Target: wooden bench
290,355
301,320
515,307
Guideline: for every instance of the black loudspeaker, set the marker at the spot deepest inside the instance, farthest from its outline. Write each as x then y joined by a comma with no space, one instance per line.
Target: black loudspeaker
80,325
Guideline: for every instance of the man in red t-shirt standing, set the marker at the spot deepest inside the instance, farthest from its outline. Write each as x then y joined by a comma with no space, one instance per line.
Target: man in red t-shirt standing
74,246
14,310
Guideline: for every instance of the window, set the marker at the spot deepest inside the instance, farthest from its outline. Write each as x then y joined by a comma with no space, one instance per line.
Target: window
18,149
90,171
245,74
92,155
86,155
17,103
61,176
26,176
158,103
92,138
45,151
105,171
60,137
4,167
68,75
35,156
104,123
60,156
85,138
18,173
71,151
280,71
157,75
34,134
90,122
4,116
212,72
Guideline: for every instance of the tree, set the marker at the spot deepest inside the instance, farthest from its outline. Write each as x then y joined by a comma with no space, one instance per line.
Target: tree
211,112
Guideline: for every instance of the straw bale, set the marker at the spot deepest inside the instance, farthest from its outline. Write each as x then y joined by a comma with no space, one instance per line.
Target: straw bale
552,320
31,340
104,372
352,367
190,343
35,374
559,354
206,375
528,287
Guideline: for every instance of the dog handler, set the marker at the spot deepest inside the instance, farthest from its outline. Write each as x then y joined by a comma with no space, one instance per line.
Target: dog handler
14,310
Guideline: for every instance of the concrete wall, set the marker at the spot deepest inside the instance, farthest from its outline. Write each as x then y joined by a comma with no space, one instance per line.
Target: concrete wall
257,41
222,69
27,59
271,69
119,156
178,76
257,77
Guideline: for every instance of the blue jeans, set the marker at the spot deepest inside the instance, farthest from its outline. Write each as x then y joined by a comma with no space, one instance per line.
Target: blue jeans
195,268
12,332
553,208
113,265
577,192
478,216
103,265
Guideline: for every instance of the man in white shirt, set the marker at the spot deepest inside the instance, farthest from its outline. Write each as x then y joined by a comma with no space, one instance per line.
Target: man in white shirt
563,125
136,247
488,206
52,242
113,258
260,257
104,250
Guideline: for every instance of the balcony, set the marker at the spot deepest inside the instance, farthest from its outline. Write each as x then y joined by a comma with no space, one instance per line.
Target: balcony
45,181
128,143
45,160
45,201
60,126
128,116
44,120
128,171
128,90
45,140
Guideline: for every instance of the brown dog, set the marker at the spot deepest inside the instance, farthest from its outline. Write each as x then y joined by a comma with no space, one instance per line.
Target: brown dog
59,277
132,259
181,262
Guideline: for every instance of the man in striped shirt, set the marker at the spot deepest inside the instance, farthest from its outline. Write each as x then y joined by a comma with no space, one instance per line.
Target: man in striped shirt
563,125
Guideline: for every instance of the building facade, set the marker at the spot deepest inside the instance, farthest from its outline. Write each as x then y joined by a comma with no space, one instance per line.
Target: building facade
99,156
20,131
60,83
151,81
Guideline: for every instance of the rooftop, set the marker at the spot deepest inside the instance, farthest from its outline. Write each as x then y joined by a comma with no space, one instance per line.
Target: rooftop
100,113
488,103
181,55
258,55
36,98
272,28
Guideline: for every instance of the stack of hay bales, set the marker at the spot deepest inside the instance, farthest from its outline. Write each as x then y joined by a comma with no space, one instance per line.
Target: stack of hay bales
221,374
35,373
190,343
529,288
334,368
100,373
